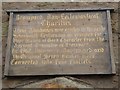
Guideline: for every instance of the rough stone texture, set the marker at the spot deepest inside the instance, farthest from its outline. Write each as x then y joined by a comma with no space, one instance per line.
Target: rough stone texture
61,82
96,81
119,41
0,46
60,0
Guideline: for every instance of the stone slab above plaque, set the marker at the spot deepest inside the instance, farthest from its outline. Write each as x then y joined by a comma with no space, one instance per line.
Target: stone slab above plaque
59,42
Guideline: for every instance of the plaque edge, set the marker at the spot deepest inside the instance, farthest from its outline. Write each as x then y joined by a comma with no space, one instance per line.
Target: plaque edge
113,70
60,10
8,48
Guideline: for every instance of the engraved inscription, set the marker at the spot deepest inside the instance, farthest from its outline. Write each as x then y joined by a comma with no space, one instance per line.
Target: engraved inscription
59,39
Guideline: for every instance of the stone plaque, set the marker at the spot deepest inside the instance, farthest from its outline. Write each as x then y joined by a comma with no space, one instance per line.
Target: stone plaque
57,42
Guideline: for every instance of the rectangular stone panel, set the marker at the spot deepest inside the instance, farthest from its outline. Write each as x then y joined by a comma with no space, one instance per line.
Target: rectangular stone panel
57,42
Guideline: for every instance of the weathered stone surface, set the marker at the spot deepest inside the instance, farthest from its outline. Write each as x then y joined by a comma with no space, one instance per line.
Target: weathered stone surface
99,81
48,61
62,1
60,82
4,28
118,66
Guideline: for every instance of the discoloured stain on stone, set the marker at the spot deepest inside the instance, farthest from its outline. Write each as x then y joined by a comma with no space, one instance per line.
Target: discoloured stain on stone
60,82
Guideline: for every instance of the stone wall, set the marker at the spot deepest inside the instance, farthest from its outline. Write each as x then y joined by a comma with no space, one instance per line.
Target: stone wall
76,81
60,0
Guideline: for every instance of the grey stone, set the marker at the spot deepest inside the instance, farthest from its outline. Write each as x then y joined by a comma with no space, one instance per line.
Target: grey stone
61,82
62,1
100,81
